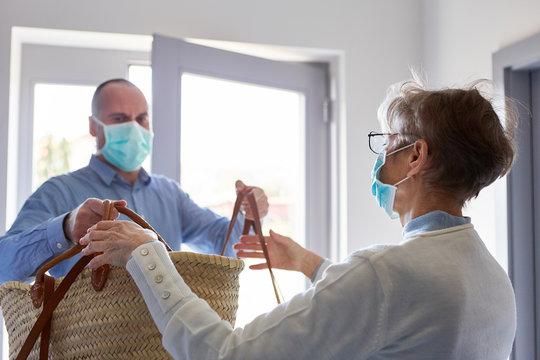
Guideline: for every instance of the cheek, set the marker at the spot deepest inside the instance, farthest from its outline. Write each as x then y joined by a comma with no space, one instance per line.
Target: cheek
382,174
387,172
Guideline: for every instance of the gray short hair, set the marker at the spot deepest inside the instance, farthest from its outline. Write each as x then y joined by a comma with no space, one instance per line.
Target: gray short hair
468,145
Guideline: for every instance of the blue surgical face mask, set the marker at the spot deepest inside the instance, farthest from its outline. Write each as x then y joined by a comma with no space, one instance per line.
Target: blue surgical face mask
126,145
385,193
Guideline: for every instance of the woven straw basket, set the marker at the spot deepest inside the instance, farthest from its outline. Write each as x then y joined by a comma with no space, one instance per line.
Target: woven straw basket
115,323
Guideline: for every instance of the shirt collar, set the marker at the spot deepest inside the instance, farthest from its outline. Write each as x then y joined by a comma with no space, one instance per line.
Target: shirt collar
107,173
433,221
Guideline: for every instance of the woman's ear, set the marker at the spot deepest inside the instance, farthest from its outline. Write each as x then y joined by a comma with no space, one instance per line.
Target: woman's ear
418,158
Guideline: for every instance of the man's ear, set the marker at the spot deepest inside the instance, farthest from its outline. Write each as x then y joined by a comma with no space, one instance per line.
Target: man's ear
92,126
418,159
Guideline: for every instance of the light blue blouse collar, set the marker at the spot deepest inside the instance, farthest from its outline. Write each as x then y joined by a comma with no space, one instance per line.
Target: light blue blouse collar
432,221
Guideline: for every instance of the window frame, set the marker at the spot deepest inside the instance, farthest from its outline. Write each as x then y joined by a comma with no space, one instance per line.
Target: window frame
512,75
172,57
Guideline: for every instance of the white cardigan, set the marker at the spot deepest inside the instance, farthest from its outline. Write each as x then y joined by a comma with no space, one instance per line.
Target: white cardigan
438,295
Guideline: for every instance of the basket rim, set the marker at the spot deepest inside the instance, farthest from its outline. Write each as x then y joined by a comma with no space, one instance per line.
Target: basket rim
206,259
176,256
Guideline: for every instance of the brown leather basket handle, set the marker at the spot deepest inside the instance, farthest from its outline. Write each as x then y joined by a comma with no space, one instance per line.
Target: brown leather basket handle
44,285
256,224
98,277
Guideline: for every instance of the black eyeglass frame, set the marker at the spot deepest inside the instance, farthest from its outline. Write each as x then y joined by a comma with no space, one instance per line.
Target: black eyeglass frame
372,134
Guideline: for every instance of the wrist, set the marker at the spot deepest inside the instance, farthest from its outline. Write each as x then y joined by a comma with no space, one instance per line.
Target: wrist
309,264
65,227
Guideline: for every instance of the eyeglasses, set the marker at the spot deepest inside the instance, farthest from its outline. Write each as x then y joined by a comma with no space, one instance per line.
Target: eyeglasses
378,141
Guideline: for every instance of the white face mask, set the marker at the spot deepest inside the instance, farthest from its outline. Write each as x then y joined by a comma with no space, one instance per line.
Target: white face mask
385,194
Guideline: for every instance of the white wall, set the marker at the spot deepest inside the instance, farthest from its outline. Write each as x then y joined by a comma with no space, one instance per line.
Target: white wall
460,37
380,38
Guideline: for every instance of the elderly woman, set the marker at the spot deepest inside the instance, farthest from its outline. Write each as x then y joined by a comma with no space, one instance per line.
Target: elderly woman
439,294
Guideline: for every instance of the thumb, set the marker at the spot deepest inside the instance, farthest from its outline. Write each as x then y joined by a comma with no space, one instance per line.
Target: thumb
115,213
276,237
120,203
239,185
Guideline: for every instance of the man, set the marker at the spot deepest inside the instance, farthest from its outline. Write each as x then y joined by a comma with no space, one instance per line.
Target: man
59,213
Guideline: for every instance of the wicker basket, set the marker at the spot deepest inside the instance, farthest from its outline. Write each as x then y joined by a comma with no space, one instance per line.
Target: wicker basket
115,323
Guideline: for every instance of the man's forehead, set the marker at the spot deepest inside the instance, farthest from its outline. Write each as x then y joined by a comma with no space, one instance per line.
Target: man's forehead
123,98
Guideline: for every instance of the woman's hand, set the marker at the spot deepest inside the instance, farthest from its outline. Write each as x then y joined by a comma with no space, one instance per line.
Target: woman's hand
114,241
284,253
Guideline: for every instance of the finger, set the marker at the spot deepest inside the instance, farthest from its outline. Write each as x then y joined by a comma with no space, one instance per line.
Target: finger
95,247
120,202
275,236
98,261
262,206
259,266
251,239
86,239
250,254
248,247
258,193
239,185
280,239
95,205
115,214
97,235
104,225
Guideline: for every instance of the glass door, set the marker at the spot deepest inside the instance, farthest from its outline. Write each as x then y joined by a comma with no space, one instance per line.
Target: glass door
232,130
222,116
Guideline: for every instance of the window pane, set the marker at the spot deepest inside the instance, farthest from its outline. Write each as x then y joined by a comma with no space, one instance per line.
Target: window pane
141,76
62,142
232,130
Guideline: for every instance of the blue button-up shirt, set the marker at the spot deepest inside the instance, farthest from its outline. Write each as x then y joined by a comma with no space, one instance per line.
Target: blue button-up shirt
37,234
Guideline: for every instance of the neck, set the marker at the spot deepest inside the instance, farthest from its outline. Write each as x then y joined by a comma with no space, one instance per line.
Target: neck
129,176
422,205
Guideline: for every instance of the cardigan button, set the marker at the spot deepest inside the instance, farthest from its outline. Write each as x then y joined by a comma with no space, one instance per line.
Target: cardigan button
165,294
158,279
144,252
151,266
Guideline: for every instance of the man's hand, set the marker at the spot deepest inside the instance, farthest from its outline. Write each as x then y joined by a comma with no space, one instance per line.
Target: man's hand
283,251
84,216
260,198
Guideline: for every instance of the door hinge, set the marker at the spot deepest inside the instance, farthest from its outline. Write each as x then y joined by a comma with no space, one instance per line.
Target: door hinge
327,111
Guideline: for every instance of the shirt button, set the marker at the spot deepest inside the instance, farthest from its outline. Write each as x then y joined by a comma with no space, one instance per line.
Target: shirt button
158,279
144,252
58,245
151,266
165,294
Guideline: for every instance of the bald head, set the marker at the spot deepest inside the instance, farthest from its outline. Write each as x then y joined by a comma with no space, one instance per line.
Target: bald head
97,99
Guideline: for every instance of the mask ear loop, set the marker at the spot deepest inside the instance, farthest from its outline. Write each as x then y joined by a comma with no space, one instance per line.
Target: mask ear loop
399,182
398,150
403,148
